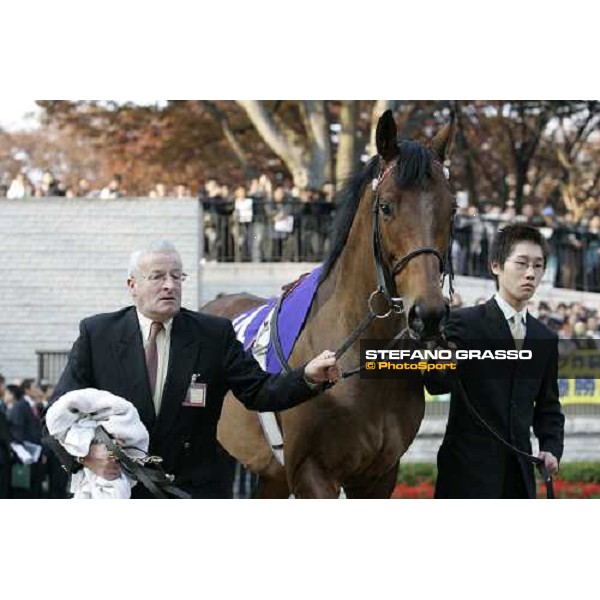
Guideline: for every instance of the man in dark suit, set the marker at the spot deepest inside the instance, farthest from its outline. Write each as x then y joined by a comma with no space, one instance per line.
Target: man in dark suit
472,463
5,452
176,366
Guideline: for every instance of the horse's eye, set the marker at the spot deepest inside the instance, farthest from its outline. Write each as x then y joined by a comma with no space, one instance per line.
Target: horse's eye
385,209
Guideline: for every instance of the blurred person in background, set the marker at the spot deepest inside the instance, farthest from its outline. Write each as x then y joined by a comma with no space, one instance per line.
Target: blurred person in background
19,187
114,189
34,397
5,451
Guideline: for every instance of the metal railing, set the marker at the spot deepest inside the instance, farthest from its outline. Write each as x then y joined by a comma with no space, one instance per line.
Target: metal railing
294,231
51,365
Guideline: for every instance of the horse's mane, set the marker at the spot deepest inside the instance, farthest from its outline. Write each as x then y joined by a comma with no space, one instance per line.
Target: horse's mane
413,166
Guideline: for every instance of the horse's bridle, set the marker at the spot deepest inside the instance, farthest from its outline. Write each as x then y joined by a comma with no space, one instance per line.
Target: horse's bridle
385,277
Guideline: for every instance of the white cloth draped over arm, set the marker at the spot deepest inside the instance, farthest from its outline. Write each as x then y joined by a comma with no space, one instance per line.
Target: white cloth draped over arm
73,420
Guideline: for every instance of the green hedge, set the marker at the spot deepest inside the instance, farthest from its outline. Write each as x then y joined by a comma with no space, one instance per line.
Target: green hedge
585,472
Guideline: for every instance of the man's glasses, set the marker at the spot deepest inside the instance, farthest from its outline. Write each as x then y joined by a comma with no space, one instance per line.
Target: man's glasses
522,265
159,277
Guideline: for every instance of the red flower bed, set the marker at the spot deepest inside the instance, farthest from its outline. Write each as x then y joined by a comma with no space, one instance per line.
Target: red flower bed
571,489
562,489
423,489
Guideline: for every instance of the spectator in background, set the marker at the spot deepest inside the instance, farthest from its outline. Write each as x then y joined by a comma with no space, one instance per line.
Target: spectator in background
462,240
182,191
5,451
206,195
526,214
20,415
479,243
19,187
242,223
591,257
260,193
280,211
114,189
58,479
158,191
50,186
34,398
83,189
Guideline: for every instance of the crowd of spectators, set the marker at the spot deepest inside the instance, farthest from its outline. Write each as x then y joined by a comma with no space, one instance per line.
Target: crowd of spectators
22,473
571,321
574,242
263,222
270,220
50,185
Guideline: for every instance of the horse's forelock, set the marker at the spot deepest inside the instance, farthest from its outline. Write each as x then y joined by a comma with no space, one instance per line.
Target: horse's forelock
413,165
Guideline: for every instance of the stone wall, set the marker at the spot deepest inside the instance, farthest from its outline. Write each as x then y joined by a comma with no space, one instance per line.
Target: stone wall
62,259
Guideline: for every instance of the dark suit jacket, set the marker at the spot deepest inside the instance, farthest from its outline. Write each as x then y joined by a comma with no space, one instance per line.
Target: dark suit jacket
109,355
5,452
22,423
471,462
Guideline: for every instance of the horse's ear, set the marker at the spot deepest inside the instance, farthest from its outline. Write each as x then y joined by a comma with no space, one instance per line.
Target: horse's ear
385,136
443,140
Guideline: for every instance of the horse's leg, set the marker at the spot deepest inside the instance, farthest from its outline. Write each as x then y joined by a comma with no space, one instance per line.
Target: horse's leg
269,487
374,488
311,481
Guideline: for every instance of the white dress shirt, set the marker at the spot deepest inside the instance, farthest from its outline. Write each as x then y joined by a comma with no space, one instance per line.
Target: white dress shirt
509,312
163,342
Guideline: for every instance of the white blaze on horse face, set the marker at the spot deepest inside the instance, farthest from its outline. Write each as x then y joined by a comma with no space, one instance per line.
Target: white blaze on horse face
157,300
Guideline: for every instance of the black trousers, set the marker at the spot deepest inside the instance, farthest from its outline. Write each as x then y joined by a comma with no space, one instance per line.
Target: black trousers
513,485
5,471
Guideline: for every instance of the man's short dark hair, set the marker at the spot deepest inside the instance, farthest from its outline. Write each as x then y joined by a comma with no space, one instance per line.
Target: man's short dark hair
510,235
15,390
2,379
27,383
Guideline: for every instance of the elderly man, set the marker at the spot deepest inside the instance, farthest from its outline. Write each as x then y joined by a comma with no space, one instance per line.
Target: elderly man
175,366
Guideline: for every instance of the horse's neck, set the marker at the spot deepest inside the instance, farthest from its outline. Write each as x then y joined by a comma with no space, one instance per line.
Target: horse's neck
346,290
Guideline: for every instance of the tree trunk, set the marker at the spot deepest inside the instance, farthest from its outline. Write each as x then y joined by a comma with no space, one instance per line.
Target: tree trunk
347,152
465,150
307,165
317,128
221,117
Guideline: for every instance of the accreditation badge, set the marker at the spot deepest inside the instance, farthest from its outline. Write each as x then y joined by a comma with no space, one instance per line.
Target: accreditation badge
196,394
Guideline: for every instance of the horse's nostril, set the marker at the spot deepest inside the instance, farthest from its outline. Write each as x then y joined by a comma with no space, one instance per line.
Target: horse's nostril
414,319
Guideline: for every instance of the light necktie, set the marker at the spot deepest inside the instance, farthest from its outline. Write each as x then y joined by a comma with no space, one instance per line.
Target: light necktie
152,354
516,328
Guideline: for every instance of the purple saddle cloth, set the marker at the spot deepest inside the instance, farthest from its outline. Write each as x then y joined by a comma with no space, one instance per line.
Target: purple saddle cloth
292,316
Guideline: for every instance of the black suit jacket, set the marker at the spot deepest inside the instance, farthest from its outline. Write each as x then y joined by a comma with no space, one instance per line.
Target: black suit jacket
5,451
471,462
109,355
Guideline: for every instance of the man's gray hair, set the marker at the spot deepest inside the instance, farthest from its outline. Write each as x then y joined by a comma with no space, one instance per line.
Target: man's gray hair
158,247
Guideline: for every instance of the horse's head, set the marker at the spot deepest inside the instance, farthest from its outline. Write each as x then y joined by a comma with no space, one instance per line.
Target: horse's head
413,211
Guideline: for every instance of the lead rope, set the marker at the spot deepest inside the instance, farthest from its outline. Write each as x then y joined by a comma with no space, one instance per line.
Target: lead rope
538,462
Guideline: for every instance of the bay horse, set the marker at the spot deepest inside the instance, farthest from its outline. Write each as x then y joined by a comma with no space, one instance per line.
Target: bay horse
392,233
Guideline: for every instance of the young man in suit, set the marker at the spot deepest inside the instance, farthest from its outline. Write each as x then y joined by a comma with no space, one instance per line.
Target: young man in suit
148,353
471,462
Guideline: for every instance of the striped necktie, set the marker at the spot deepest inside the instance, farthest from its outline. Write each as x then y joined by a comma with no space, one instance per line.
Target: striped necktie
516,328
152,354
